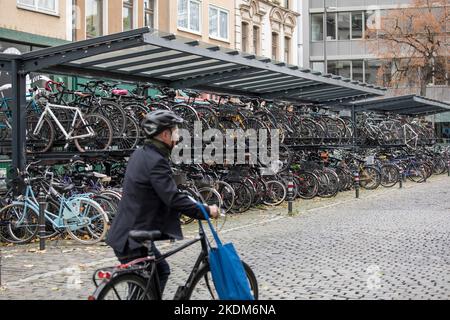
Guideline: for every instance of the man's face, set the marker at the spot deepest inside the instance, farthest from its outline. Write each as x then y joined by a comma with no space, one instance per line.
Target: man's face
170,136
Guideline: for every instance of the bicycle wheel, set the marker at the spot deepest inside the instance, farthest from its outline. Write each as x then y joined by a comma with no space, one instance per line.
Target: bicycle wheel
43,140
202,287
125,287
211,197
308,185
369,178
275,193
243,199
130,137
390,175
103,133
18,225
227,193
86,222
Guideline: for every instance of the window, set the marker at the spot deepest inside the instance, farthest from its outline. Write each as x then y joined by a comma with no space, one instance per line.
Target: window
370,18
218,23
357,70
357,25
343,25
317,27
46,6
244,37
287,50
189,15
275,46
127,15
340,68
149,13
256,41
372,67
94,18
331,26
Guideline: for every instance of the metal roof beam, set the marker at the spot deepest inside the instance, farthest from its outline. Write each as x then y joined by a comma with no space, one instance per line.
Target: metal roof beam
306,89
209,71
335,94
262,75
150,60
164,72
272,84
332,92
282,88
239,59
61,57
275,80
123,57
261,80
100,73
213,78
165,66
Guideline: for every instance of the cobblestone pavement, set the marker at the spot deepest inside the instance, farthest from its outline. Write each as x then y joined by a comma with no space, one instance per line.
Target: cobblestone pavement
389,244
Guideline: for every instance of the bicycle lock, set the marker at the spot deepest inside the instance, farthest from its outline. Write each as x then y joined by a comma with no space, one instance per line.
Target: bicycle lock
42,208
356,182
290,190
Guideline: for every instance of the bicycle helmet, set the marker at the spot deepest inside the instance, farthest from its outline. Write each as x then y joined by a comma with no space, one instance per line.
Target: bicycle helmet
157,121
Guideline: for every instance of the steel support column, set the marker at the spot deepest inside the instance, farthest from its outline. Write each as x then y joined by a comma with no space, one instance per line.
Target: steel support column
18,105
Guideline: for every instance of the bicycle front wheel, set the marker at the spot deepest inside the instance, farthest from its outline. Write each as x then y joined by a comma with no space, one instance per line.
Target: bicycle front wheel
202,287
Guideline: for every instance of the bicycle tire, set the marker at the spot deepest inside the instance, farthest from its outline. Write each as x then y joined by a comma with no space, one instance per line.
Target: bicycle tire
204,272
29,230
112,285
107,131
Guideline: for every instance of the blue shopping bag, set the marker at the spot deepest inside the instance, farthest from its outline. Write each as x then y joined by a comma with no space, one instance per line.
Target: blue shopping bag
228,273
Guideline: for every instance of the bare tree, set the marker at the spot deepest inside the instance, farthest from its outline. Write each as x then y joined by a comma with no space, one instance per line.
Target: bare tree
413,42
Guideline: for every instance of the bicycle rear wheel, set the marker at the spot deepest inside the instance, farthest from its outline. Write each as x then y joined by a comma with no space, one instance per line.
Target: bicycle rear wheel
87,223
103,133
125,287
19,223
203,287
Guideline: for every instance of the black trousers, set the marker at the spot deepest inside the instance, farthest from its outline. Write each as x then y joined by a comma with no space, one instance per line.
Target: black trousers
162,267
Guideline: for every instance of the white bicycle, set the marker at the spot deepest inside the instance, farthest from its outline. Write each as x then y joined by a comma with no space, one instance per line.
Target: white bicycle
91,132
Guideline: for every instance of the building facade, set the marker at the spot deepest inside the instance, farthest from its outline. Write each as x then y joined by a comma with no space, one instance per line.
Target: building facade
267,28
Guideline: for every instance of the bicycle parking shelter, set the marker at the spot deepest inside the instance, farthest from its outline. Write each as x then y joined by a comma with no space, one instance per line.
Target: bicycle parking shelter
147,55
407,105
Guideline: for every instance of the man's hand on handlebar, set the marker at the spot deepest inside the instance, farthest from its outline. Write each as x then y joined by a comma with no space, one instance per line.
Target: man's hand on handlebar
214,211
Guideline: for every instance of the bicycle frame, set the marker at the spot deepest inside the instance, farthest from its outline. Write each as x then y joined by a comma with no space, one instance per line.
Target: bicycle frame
67,135
151,263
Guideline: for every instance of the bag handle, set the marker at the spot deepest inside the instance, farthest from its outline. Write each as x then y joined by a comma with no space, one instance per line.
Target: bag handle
213,231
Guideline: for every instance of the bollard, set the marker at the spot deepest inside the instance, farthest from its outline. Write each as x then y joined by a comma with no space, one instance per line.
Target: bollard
400,178
356,181
42,208
290,191
448,167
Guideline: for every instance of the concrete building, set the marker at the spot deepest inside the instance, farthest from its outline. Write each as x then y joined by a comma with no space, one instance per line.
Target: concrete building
267,28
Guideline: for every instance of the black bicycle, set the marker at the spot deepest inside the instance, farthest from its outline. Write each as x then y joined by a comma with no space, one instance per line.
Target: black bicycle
138,279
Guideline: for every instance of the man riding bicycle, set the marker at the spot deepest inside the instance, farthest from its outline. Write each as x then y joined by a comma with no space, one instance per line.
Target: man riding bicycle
151,199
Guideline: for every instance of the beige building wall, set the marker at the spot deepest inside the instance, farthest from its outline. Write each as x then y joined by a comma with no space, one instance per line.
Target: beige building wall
50,25
168,21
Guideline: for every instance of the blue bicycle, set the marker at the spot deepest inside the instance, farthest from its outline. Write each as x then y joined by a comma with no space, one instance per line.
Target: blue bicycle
81,217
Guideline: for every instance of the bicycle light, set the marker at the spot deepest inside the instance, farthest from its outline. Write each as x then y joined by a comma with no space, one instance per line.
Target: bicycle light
104,275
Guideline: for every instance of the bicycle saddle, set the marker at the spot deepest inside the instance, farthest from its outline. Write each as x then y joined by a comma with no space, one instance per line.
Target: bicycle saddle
141,236
119,92
6,87
63,187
